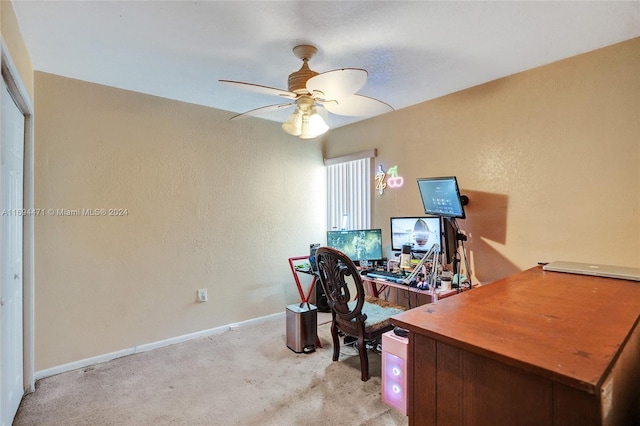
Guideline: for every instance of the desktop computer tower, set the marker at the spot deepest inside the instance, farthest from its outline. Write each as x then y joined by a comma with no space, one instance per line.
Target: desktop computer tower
322,304
394,370
302,327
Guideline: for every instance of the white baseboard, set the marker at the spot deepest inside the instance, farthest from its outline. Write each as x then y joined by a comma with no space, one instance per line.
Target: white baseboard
41,374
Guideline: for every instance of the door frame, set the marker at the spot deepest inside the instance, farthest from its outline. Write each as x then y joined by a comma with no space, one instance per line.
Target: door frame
23,100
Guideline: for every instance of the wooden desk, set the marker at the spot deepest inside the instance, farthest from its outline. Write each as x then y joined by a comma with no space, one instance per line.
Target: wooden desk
536,348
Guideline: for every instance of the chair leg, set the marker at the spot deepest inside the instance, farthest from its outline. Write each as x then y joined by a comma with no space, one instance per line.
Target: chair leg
364,360
336,340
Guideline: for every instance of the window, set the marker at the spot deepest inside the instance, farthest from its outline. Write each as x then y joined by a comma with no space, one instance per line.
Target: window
349,180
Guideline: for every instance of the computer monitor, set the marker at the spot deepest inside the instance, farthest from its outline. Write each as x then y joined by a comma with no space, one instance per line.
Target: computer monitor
361,244
441,197
421,233
450,238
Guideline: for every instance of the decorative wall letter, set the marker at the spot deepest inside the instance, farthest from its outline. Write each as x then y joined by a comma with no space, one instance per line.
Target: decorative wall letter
380,184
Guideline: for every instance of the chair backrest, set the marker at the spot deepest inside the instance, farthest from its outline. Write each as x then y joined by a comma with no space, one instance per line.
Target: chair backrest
333,269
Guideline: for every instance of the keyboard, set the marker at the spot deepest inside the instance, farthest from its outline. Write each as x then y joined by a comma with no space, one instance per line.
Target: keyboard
395,277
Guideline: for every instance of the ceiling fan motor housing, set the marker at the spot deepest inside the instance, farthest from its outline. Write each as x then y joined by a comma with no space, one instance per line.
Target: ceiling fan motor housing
298,79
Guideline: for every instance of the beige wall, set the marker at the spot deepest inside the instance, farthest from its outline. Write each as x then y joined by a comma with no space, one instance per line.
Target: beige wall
210,204
214,204
550,159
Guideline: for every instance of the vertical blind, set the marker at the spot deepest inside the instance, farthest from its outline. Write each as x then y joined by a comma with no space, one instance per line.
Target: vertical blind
349,194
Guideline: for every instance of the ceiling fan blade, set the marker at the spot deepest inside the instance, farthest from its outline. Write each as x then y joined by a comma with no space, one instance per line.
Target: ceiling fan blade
357,106
265,90
337,84
262,110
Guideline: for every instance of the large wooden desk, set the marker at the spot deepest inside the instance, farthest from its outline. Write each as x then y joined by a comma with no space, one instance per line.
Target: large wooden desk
536,348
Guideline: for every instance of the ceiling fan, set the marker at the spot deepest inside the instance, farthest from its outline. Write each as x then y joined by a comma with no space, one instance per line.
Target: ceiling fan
313,94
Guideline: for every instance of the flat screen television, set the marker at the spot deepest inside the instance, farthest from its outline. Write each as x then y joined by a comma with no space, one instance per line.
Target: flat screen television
421,233
441,197
361,244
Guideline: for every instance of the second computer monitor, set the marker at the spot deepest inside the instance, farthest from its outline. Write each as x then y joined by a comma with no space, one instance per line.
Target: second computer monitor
421,233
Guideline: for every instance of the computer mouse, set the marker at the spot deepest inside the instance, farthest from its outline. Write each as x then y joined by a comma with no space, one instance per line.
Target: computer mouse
398,331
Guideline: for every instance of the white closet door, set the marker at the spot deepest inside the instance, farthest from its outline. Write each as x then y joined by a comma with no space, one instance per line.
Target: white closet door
11,203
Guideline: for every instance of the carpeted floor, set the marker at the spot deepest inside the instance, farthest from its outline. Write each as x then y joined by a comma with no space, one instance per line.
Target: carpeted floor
243,377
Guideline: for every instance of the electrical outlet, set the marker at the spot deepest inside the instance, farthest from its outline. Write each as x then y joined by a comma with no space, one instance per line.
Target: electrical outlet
202,295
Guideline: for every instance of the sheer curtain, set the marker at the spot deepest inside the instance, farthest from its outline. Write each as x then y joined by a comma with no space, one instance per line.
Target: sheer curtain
349,181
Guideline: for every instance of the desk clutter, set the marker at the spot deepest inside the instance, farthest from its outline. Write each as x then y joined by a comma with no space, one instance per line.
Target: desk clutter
417,272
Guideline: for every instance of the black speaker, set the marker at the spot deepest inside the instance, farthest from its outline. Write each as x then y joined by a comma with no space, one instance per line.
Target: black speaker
321,298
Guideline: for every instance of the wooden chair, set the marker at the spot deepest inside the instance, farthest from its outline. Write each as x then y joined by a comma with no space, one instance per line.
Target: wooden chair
363,317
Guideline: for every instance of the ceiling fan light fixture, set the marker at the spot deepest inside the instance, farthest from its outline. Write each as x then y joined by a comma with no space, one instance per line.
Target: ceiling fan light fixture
317,125
313,125
293,125
305,134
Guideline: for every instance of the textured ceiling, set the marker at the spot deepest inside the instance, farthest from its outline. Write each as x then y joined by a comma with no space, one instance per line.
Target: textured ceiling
413,51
